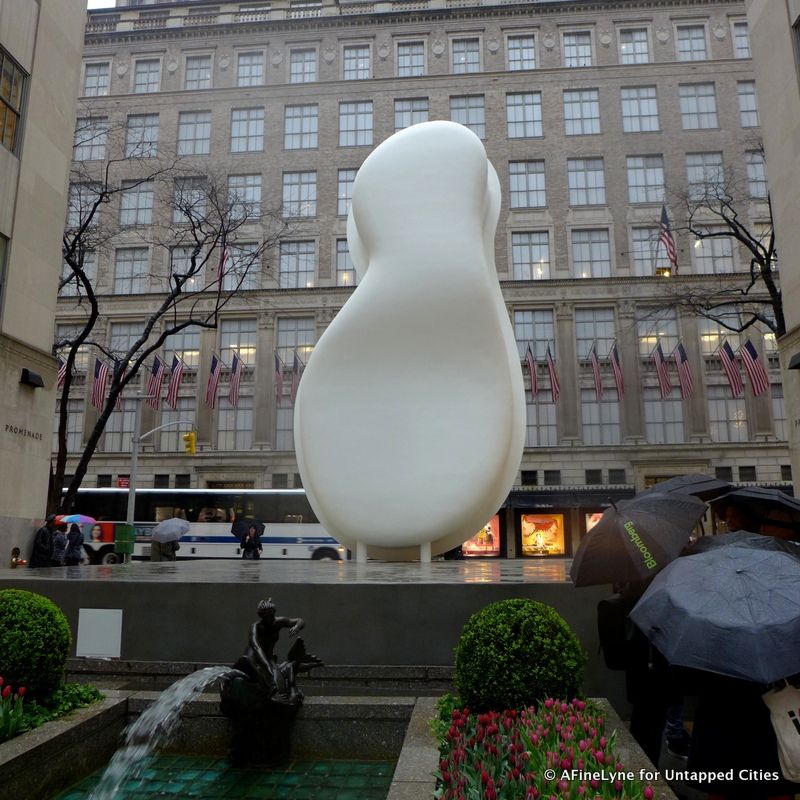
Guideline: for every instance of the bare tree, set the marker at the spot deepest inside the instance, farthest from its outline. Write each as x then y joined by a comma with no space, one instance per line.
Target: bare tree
717,206
209,254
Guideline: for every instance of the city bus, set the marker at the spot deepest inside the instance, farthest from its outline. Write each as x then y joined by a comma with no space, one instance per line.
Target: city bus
218,518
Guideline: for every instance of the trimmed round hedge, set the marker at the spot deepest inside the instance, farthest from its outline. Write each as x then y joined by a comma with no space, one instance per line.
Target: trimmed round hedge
515,653
35,641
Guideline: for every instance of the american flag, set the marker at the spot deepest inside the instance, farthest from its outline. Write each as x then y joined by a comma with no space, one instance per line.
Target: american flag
278,377
616,366
62,373
225,264
119,402
665,236
685,378
555,386
176,373
662,370
213,381
728,359
756,374
531,362
101,375
598,378
236,379
154,383
297,369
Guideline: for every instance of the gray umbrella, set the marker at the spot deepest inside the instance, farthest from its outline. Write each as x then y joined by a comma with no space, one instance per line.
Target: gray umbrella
772,506
703,486
733,609
170,530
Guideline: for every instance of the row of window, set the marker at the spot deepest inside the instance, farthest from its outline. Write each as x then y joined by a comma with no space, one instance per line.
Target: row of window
578,49
12,83
698,107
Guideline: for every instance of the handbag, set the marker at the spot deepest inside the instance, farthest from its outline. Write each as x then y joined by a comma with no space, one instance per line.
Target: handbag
784,710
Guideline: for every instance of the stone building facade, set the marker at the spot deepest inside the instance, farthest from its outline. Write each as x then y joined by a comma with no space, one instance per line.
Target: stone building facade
593,113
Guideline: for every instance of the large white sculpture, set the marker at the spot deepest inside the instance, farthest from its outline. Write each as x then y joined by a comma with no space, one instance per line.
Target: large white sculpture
410,418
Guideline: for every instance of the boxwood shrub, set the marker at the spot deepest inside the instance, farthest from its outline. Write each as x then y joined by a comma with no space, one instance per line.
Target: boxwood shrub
35,641
515,653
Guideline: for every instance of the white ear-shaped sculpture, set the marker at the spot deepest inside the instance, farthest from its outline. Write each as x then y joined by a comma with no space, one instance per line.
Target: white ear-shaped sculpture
410,417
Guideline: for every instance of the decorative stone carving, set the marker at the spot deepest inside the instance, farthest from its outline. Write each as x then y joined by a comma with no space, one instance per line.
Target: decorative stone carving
437,48
384,48
493,45
605,38
172,65
329,55
277,58
720,31
549,41
662,34
224,63
122,68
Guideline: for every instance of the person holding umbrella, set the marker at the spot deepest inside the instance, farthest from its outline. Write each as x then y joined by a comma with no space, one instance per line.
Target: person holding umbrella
164,544
59,545
251,543
73,555
42,552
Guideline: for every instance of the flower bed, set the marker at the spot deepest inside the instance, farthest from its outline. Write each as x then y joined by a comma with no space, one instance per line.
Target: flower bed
557,751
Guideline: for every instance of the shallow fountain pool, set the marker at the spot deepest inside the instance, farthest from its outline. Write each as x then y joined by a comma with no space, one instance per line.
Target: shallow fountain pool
208,778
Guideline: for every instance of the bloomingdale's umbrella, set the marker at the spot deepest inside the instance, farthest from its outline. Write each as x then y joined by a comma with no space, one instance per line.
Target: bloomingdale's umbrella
733,609
635,540
170,530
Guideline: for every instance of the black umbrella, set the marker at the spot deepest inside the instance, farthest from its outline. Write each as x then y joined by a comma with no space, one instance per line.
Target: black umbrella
240,527
634,541
772,506
703,486
734,610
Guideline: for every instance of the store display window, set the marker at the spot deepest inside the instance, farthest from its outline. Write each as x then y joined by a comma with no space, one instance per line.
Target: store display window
486,542
542,534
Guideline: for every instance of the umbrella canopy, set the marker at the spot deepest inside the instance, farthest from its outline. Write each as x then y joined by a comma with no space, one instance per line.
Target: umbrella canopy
703,486
170,530
772,506
80,519
637,539
733,609
241,526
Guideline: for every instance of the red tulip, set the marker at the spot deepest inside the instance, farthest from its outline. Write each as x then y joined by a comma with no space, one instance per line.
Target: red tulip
21,691
7,691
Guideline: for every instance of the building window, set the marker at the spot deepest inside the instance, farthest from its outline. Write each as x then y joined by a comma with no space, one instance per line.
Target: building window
526,184
355,124
303,66
299,194
724,473
74,426
180,264
356,63
587,183
748,103
70,285
136,203
345,272
147,75
82,204
577,49
747,474
161,481
591,257
235,424
779,416
756,174
66,334
727,418
198,72
96,79
12,81
552,477
123,337
529,477
194,133
663,417
524,115
698,106
594,325
410,59
705,176
470,111
634,46
521,52
691,43
593,477
91,136
298,265
714,255
410,112
141,136
238,336
530,255
540,425
250,69
244,272
649,254
534,328
581,112
344,191
280,480
131,270
713,331
295,335
184,344
600,418
466,55
617,476
639,109
786,472
244,196
741,40
190,200
656,325
247,130
645,179
300,127
119,428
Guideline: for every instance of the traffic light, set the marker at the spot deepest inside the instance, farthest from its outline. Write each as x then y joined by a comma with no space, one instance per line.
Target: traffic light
190,442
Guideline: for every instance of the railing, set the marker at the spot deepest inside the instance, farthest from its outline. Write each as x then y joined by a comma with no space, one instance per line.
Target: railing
252,16
149,23
200,19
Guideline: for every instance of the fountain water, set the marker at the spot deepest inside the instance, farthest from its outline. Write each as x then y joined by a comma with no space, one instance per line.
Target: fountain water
152,729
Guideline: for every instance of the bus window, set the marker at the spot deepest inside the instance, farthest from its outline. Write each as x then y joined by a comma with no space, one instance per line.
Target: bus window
209,514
